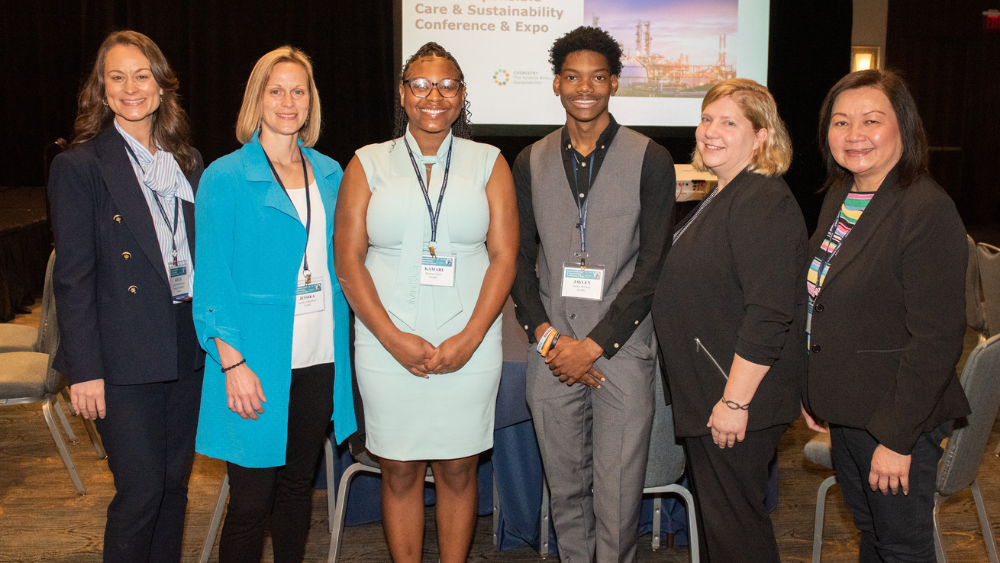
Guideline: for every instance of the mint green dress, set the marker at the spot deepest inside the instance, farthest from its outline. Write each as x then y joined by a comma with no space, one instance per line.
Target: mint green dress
449,415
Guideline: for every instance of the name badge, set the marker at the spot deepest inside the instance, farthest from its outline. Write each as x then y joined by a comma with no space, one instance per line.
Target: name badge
309,297
583,283
437,270
180,281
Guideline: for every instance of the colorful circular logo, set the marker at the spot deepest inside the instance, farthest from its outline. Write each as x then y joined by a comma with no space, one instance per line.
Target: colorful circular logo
501,77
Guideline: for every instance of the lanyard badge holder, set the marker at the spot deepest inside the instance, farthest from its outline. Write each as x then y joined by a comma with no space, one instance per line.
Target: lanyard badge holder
581,280
178,273
309,296
435,269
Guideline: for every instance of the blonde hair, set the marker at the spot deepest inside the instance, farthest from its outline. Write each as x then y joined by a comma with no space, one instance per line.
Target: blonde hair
774,155
252,110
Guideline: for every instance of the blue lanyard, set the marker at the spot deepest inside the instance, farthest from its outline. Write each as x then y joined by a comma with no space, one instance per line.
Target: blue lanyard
163,212
435,215
582,209
305,179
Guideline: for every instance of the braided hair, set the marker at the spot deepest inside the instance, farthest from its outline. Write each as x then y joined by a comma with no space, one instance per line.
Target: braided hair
462,127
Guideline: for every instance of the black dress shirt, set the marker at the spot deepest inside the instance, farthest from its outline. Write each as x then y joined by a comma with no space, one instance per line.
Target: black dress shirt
656,193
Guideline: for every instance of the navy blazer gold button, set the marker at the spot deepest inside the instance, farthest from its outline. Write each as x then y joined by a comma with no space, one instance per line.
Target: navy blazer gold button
131,289
126,255
117,218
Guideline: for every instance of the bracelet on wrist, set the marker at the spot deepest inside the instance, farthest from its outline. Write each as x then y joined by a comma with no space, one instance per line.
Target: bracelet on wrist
545,336
236,365
734,405
545,343
548,342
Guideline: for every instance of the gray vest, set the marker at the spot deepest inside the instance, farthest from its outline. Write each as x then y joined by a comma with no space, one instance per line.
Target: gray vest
612,227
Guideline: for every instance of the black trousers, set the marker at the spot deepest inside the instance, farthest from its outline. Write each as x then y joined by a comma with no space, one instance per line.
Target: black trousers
281,495
730,486
149,433
894,528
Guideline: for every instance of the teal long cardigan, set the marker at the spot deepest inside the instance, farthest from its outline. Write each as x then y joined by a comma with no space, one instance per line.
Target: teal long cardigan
250,247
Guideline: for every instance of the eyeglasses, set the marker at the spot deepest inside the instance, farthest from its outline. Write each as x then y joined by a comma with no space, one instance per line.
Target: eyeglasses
448,87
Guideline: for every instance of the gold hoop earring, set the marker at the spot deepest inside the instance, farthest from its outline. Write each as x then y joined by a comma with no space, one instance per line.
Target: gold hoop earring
105,101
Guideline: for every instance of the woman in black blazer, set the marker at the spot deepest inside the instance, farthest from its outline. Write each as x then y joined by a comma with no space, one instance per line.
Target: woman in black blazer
728,321
123,216
887,314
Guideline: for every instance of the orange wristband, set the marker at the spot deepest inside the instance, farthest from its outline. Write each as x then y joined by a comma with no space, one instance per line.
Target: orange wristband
548,342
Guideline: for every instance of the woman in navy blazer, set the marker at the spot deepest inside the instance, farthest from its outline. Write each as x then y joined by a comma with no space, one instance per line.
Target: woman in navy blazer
270,313
887,314
127,342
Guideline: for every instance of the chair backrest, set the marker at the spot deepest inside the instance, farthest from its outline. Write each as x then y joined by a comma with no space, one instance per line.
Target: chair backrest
981,381
818,450
666,457
989,276
48,331
973,289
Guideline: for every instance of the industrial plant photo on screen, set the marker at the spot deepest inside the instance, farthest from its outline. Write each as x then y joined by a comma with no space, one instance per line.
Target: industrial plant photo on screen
671,48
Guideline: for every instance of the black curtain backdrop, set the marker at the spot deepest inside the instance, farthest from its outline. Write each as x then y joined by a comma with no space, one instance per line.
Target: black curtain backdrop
952,64
212,45
48,48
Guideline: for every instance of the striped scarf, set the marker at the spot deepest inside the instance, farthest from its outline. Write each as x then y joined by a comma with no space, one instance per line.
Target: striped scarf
160,171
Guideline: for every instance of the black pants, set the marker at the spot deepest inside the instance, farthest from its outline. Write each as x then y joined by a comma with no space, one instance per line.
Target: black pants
894,528
730,486
282,494
149,433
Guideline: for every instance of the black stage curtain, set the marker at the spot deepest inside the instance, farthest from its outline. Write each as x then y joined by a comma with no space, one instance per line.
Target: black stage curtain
810,50
212,45
952,64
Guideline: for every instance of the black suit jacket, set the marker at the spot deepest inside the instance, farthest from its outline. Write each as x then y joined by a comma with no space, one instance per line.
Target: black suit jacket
116,316
732,282
889,321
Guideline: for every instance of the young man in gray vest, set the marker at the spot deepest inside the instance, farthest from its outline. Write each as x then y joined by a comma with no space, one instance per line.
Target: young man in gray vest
596,210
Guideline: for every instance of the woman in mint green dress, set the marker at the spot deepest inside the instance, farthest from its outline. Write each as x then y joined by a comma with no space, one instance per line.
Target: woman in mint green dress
426,241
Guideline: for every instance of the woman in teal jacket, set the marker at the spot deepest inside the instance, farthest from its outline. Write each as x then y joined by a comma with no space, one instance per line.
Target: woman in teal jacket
269,311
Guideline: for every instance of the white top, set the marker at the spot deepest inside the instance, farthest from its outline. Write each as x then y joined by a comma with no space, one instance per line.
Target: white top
312,333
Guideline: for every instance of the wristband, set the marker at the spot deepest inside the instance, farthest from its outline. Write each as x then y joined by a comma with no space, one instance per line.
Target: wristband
734,405
545,336
236,365
548,343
